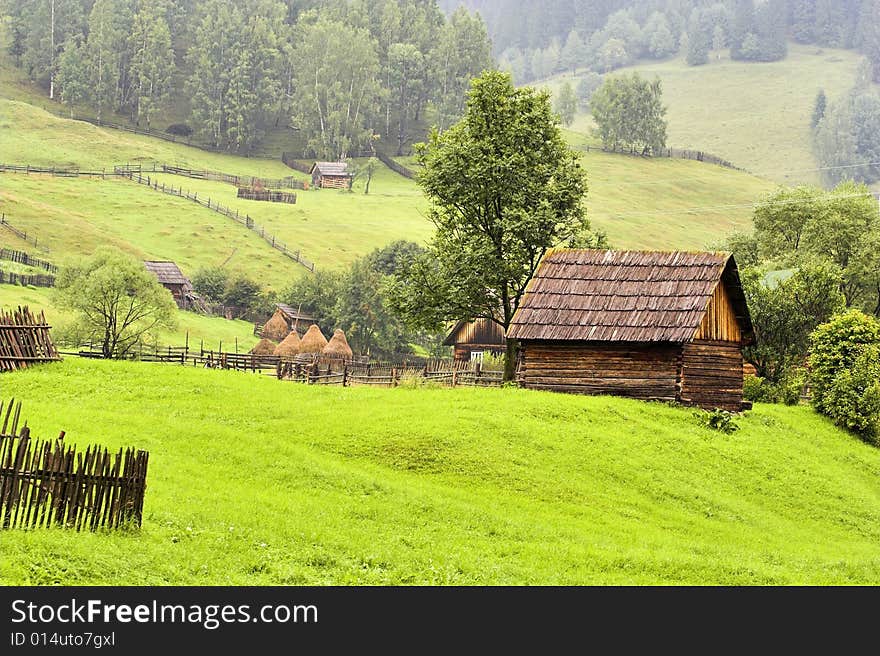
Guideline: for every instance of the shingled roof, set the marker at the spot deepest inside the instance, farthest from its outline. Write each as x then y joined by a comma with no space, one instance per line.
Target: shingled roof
625,296
332,168
168,273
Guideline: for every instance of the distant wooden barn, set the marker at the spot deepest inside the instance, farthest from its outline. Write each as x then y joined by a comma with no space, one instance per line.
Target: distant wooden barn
331,175
648,325
471,339
171,278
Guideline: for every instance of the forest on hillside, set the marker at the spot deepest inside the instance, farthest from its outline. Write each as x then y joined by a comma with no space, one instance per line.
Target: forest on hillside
341,73
535,40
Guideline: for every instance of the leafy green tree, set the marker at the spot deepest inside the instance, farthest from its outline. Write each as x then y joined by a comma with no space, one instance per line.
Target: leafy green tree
211,283
407,76
742,25
586,87
73,74
785,313
698,40
869,36
573,52
45,26
393,257
503,188
254,88
463,51
152,60
658,37
566,104
629,113
115,301
110,23
241,293
614,54
338,92
319,294
782,217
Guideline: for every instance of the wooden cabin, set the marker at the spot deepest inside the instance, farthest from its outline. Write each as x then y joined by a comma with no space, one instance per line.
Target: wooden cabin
331,175
171,278
471,339
648,325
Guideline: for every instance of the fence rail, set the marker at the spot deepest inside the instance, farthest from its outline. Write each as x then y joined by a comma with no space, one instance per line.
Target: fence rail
290,160
267,195
26,279
235,215
20,257
398,168
47,483
670,153
218,176
21,234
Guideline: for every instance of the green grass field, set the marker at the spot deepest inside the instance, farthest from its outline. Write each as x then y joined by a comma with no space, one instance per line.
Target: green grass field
209,331
254,481
756,115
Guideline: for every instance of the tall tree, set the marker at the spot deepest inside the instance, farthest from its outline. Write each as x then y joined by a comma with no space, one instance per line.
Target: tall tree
573,52
73,74
110,24
46,25
407,67
503,188
819,107
869,34
629,113
338,90
566,104
742,26
152,61
463,51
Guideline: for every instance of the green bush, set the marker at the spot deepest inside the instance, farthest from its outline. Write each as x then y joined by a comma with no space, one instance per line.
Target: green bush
834,347
853,398
787,391
720,420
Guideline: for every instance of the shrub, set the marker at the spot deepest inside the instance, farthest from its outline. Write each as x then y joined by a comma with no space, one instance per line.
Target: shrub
720,420
756,389
852,400
787,391
835,347
179,130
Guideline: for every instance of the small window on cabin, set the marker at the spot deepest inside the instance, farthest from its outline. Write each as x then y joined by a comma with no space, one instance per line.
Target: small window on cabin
477,356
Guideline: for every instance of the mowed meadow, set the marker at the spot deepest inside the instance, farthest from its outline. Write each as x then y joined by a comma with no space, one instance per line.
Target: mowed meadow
255,481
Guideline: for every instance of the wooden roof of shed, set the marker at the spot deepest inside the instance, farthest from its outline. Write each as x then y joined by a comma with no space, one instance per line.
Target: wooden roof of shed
294,314
339,169
625,296
168,273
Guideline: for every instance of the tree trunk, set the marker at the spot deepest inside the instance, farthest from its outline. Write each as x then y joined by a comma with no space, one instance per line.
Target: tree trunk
510,360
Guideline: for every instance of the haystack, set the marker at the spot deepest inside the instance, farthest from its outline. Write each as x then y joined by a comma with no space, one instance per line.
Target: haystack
276,328
265,347
338,347
290,345
313,341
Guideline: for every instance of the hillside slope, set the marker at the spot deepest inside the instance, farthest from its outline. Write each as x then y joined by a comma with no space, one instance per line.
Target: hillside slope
756,115
254,481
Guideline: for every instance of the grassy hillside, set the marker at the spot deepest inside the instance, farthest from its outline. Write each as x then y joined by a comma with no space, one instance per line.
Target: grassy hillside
757,115
638,202
207,330
253,481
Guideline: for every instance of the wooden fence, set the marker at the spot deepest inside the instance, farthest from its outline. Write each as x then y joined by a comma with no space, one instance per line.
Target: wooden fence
245,220
267,195
398,168
219,176
24,340
26,279
671,153
21,234
21,257
290,160
47,483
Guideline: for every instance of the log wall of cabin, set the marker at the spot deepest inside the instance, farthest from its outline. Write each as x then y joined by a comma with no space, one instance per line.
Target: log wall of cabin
640,371
712,375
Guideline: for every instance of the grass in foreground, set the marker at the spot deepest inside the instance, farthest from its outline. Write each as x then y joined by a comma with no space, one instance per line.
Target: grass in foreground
207,331
253,481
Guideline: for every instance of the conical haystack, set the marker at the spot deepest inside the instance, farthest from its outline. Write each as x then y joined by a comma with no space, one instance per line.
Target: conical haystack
338,347
276,328
265,347
313,341
290,345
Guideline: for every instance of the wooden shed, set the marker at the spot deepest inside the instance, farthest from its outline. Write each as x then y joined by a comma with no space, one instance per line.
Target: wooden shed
171,278
296,318
331,175
471,339
648,325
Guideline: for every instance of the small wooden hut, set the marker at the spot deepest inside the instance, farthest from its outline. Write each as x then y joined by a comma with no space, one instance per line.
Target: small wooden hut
313,342
331,175
171,278
295,317
338,347
471,339
649,325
